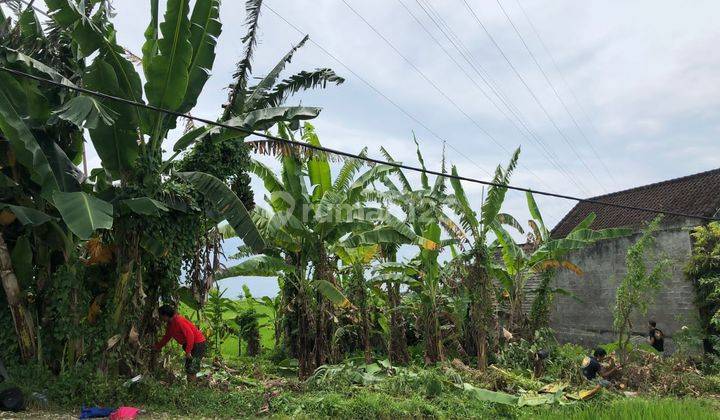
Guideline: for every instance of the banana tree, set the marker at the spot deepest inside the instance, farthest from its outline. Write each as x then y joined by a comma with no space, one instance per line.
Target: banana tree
424,210
311,212
481,325
177,58
546,255
43,200
356,261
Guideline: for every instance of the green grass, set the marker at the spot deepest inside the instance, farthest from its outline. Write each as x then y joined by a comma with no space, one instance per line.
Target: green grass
249,393
634,408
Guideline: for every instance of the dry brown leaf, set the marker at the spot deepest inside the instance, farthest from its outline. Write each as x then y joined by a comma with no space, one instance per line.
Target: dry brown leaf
94,310
98,253
112,341
7,217
133,336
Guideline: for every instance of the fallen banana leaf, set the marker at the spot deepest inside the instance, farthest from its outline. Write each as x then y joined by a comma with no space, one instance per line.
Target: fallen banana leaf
584,394
531,400
552,388
490,396
522,381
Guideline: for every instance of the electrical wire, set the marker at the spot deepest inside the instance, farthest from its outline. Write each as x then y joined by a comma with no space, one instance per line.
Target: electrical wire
474,82
552,86
337,152
396,105
458,45
374,89
532,94
567,86
434,85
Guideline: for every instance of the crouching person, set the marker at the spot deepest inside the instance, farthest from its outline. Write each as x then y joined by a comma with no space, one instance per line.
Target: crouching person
595,371
187,335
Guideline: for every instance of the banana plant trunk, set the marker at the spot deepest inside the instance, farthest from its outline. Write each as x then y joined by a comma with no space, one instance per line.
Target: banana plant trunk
433,339
398,351
22,320
362,301
306,359
324,327
517,317
482,311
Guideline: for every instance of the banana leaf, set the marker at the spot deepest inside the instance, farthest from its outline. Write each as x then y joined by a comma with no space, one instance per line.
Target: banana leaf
223,201
167,71
26,215
205,28
83,213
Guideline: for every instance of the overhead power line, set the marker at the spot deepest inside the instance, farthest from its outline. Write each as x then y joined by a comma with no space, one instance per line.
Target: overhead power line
434,85
458,45
567,86
337,152
395,104
375,89
552,86
532,93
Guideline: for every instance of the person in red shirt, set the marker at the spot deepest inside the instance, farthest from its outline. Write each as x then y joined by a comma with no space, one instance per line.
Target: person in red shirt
187,335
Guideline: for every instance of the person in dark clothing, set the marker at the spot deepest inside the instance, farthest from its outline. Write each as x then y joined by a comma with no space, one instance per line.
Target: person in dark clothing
656,338
187,335
593,369
539,359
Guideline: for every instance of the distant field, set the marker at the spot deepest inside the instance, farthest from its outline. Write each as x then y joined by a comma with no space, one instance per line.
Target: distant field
267,334
230,345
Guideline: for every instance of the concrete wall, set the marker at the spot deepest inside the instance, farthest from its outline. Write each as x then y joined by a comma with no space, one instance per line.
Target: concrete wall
589,322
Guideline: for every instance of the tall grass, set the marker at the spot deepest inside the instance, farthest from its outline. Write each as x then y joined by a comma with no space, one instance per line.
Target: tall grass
632,409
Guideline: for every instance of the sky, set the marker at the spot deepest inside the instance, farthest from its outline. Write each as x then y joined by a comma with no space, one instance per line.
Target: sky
611,94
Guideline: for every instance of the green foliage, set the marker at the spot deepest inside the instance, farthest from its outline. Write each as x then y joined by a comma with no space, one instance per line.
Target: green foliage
637,288
218,313
704,270
249,329
222,160
83,213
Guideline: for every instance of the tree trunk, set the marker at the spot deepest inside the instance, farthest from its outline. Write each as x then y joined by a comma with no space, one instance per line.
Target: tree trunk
22,320
433,340
253,344
324,327
482,318
306,359
364,314
290,316
398,351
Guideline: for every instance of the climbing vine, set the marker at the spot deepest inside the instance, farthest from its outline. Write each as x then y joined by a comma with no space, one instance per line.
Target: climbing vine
704,270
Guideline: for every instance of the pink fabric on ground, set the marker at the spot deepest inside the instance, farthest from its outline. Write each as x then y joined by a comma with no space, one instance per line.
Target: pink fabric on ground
125,413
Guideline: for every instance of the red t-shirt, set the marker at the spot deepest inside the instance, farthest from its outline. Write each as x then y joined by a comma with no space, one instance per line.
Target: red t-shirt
183,331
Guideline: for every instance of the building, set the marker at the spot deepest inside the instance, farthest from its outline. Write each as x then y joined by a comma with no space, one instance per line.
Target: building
586,318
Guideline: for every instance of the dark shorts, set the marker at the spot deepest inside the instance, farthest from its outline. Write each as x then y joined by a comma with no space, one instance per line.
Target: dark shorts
192,365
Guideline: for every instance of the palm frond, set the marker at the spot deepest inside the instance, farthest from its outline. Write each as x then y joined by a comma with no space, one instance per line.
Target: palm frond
244,67
403,179
303,80
348,171
244,251
259,91
461,206
496,193
423,175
